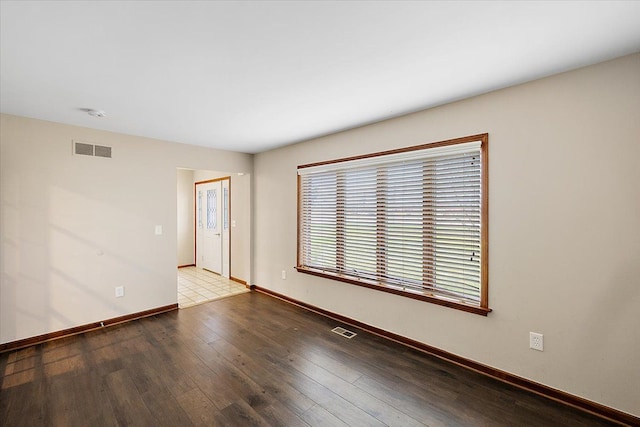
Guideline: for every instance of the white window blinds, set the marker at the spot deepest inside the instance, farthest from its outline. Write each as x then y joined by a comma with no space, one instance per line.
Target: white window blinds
409,222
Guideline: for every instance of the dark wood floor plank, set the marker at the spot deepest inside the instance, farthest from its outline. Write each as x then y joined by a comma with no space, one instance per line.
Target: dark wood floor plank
166,372
347,353
234,380
332,402
378,409
249,392
277,414
104,359
241,414
382,359
128,406
196,326
165,408
24,392
318,416
64,409
211,387
379,361
318,354
200,409
410,403
288,395
254,360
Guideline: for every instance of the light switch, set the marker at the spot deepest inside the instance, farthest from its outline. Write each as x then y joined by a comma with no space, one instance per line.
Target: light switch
233,223
158,230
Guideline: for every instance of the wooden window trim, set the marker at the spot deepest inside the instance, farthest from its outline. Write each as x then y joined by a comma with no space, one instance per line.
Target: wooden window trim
385,288
483,307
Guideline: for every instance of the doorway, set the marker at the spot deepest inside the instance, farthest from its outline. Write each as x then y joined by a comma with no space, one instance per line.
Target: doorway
197,286
212,233
226,198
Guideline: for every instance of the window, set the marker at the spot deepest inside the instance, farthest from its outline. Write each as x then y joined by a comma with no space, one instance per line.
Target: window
212,209
199,209
225,209
412,222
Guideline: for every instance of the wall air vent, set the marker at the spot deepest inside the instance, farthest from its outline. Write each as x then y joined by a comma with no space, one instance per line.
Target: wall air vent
85,149
102,151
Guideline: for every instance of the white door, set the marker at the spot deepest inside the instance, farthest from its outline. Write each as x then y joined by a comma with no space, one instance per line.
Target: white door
209,226
226,249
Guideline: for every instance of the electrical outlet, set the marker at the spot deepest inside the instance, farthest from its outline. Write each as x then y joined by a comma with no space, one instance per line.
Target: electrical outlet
119,291
536,341
284,274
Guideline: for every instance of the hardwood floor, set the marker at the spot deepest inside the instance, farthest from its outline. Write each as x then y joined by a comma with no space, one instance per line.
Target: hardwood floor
252,360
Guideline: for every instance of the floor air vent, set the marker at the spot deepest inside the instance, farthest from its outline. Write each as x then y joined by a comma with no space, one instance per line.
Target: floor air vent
344,332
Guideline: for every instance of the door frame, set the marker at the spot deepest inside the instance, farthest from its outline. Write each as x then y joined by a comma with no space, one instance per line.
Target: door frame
195,219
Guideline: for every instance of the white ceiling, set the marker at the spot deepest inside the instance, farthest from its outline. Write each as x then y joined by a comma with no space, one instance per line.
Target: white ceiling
250,76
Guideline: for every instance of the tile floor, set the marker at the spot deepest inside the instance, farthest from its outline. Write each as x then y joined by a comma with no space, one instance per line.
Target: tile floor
196,286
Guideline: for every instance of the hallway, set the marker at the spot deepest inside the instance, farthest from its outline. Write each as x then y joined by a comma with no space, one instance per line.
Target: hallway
196,286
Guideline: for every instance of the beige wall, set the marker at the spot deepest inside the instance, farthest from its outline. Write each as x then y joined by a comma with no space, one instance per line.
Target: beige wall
185,217
75,227
241,227
564,235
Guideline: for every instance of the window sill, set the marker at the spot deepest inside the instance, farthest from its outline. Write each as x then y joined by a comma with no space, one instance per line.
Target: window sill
380,287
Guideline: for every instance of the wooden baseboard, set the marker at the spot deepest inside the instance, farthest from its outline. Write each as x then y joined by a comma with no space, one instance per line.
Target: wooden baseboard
26,342
186,265
602,411
242,282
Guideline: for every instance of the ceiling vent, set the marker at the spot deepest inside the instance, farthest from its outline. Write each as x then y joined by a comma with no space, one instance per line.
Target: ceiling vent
85,149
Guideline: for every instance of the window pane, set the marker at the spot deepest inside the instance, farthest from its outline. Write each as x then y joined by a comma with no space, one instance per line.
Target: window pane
456,198
200,209
225,209
212,209
319,221
404,224
359,229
